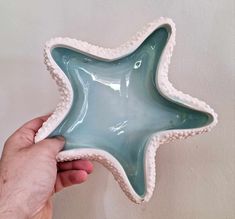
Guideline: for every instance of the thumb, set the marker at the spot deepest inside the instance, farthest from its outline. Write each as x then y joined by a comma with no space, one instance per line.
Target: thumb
52,145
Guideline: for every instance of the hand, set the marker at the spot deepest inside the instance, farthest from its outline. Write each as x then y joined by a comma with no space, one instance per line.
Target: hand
30,175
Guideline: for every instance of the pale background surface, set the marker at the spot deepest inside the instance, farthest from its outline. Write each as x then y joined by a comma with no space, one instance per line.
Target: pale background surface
195,177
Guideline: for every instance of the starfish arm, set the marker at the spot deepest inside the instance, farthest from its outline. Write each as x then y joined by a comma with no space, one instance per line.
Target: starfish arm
109,162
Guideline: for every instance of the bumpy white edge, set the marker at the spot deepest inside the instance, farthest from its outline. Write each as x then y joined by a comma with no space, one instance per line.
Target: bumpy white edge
164,87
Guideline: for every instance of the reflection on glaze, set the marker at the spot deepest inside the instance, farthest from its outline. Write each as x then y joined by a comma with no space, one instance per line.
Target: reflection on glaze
117,107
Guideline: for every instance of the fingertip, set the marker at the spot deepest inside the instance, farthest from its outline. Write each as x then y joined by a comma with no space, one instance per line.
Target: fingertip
76,165
90,167
83,165
79,176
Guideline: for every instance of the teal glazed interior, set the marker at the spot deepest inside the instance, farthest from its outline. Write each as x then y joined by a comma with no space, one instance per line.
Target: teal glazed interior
116,106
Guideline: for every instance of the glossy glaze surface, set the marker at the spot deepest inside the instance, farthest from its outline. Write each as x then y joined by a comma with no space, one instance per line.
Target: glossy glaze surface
117,107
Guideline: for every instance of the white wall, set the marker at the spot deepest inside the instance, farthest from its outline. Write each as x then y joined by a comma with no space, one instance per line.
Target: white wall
195,177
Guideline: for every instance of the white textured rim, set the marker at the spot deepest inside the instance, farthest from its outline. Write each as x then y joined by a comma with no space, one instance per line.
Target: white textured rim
164,87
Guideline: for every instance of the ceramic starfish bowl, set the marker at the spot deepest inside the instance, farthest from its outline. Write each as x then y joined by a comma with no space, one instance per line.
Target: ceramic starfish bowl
117,105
